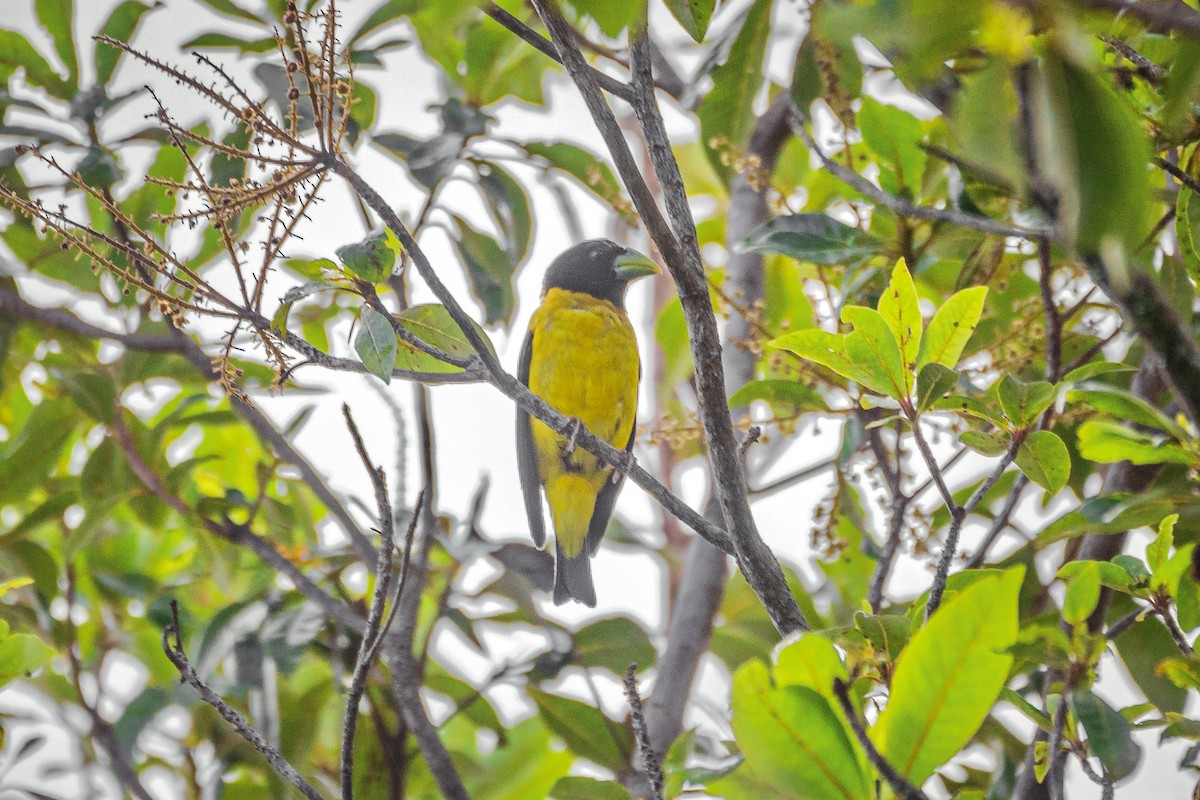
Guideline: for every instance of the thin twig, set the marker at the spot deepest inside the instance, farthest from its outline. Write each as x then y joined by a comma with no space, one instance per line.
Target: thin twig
172,645
898,782
650,763
901,206
368,644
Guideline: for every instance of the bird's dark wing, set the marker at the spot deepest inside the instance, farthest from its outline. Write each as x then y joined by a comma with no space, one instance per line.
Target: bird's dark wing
608,495
605,502
527,468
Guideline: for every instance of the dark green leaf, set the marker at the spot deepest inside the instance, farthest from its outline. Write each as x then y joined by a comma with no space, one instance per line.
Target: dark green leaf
57,17
214,40
780,394
509,208
933,381
372,259
1108,733
490,271
120,25
585,730
693,15
579,788
614,644
375,344
815,238
16,52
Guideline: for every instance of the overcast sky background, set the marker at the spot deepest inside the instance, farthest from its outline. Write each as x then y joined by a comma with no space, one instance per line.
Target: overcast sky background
473,424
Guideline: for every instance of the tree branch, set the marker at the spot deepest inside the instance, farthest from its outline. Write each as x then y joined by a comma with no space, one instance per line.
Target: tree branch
172,645
902,207
898,782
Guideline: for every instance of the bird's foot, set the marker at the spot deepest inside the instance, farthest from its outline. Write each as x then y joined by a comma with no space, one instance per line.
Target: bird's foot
621,470
574,426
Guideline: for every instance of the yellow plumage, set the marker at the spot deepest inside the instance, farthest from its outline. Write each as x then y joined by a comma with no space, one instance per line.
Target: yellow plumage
584,363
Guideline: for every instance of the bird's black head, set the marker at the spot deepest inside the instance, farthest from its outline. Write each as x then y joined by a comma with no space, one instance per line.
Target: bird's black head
600,268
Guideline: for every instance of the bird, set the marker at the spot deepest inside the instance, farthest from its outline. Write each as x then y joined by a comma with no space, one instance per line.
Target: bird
580,355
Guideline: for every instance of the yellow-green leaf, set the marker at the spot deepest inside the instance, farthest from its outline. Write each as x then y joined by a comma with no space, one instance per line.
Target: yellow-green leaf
899,307
949,676
792,739
873,348
951,328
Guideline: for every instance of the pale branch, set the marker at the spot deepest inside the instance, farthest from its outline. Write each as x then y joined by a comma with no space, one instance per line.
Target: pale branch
406,684
899,205
898,782
705,570
172,645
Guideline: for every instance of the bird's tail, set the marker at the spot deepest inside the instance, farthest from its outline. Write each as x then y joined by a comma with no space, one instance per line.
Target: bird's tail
573,577
572,499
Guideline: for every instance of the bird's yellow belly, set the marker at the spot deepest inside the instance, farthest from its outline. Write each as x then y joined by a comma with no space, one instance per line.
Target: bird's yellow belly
584,363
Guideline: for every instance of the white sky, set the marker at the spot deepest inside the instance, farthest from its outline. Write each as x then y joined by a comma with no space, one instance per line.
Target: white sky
473,424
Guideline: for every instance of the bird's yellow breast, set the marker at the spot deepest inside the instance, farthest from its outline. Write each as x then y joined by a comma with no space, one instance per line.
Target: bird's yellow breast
584,363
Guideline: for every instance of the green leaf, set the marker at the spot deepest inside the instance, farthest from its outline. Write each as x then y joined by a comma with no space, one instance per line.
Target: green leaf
371,259
57,17
1110,574
376,343
1095,370
27,458
873,349
509,208
431,323
1083,593
894,135
120,25
1024,402
585,730
1044,459
1102,153
580,788
580,164
613,16
95,394
614,644
987,443
1109,442
949,676
16,52
21,653
214,40
951,328
933,382
887,633
815,238
232,9
779,393
1187,220
1158,551
727,113
793,739
1109,736
900,309
812,662
693,15
1125,406
490,271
